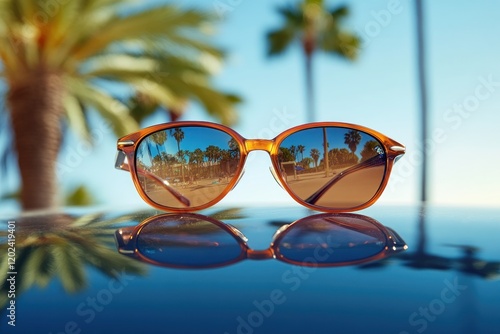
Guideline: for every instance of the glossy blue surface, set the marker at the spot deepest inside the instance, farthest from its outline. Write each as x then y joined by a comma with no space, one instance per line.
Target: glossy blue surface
447,281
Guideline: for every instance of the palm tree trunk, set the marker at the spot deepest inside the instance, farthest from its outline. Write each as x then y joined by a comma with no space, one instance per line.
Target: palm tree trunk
35,102
311,112
308,45
422,82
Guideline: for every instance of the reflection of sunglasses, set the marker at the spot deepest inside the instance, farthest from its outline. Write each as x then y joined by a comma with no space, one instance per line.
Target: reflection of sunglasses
195,241
188,166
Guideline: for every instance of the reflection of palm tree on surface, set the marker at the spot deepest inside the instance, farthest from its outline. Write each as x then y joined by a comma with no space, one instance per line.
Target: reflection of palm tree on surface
421,258
62,246
54,69
352,138
317,28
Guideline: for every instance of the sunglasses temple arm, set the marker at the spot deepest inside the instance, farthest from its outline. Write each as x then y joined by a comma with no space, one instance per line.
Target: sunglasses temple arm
122,164
123,236
121,161
164,183
399,244
372,162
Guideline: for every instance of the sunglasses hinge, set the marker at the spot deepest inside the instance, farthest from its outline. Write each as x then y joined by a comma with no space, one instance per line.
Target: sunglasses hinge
126,143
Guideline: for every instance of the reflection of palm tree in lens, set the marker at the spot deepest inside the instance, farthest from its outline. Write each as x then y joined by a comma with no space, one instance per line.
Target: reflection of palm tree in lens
325,152
286,155
178,134
159,138
306,162
352,138
62,246
293,151
370,150
196,158
315,156
301,149
213,154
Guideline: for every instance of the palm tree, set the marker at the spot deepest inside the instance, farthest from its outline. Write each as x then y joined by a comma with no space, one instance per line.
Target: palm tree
352,138
58,65
316,28
422,83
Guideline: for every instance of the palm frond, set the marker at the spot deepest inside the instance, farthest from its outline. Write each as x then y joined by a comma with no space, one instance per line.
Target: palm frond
68,262
76,117
279,40
339,13
113,110
150,23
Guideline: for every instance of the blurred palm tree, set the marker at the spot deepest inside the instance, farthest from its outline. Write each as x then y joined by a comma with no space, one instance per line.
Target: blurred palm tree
62,246
78,196
317,29
422,95
61,59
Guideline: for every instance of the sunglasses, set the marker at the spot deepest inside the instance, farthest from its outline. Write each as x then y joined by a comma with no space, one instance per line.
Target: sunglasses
195,241
326,166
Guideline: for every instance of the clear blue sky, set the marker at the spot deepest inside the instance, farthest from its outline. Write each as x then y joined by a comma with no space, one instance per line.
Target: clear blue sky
377,91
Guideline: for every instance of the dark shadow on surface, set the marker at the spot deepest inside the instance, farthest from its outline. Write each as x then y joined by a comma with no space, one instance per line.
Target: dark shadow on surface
468,263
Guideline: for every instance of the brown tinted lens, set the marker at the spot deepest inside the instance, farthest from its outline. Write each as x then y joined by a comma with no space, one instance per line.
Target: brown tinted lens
186,166
350,177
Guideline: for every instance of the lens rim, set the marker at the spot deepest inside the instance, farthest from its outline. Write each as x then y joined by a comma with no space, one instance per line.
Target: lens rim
128,238
393,244
136,139
392,150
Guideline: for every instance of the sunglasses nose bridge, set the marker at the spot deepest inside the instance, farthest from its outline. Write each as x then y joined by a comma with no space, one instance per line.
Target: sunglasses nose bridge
264,254
259,145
